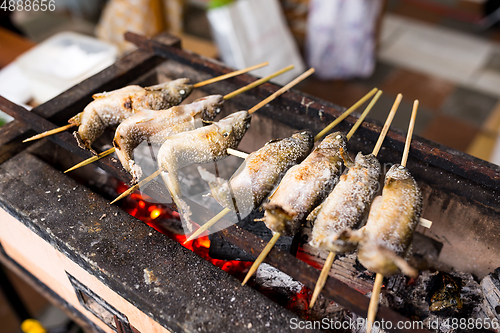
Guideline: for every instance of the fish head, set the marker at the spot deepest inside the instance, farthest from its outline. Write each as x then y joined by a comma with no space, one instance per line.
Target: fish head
370,162
305,136
181,87
335,141
233,127
211,106
397,172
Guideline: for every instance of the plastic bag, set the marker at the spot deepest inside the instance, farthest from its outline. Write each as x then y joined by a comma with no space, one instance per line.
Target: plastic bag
248,32
340,41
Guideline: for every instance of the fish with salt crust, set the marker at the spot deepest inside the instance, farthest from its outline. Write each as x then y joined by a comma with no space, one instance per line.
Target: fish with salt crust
157,126
111,108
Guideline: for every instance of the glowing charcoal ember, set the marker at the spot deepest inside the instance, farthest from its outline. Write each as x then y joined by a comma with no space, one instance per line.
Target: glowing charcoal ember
139,207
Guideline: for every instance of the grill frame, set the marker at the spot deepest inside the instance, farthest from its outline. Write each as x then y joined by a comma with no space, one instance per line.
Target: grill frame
478,181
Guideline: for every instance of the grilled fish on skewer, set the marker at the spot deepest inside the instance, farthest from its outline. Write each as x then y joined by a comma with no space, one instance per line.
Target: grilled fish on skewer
216,218
265,101
351,218
76,121
387,235
203,145
346,205
156,126
400,209
257,176
111,108
305,185
277,234
131,134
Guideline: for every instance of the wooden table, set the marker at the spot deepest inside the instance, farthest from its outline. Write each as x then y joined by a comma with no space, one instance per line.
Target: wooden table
12,45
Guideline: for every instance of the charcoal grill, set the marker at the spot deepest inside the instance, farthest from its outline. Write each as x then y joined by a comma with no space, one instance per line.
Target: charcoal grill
116,274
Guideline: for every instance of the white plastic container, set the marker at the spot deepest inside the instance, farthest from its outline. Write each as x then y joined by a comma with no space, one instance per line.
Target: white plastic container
62,61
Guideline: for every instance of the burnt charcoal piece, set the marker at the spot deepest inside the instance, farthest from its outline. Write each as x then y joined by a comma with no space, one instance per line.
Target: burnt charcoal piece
490,286
444,295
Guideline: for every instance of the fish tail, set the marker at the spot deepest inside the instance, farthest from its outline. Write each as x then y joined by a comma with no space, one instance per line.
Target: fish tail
77,120
174,188
383,260
219,188
277,218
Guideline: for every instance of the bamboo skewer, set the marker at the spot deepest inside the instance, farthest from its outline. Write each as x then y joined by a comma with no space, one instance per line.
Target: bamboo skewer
229,75
410,134
261,257
263,254
363,115
136,186
47,133
373,307
387,124
234,152
379,278
322,278
252,110
331,256
92,159
345,114
226,97
196,85
237,153
282,90
258,82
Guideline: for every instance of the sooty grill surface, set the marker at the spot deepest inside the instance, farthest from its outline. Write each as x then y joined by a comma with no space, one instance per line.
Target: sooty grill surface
189,294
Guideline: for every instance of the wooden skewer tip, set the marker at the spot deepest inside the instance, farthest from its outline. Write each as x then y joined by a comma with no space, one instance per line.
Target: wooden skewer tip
261,258
91,160
322,278
208,224
282,90
257,82
229,75
387,124
410,133
373,307
363,115
237,153
51,132
425,223
136,186
344,115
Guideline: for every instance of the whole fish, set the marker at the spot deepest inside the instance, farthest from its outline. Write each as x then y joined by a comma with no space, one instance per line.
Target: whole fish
111,108
260,172
388,233
346,205
305,185
203,145
156,126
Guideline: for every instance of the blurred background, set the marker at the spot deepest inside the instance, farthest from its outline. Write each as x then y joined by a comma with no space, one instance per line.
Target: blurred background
446,53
